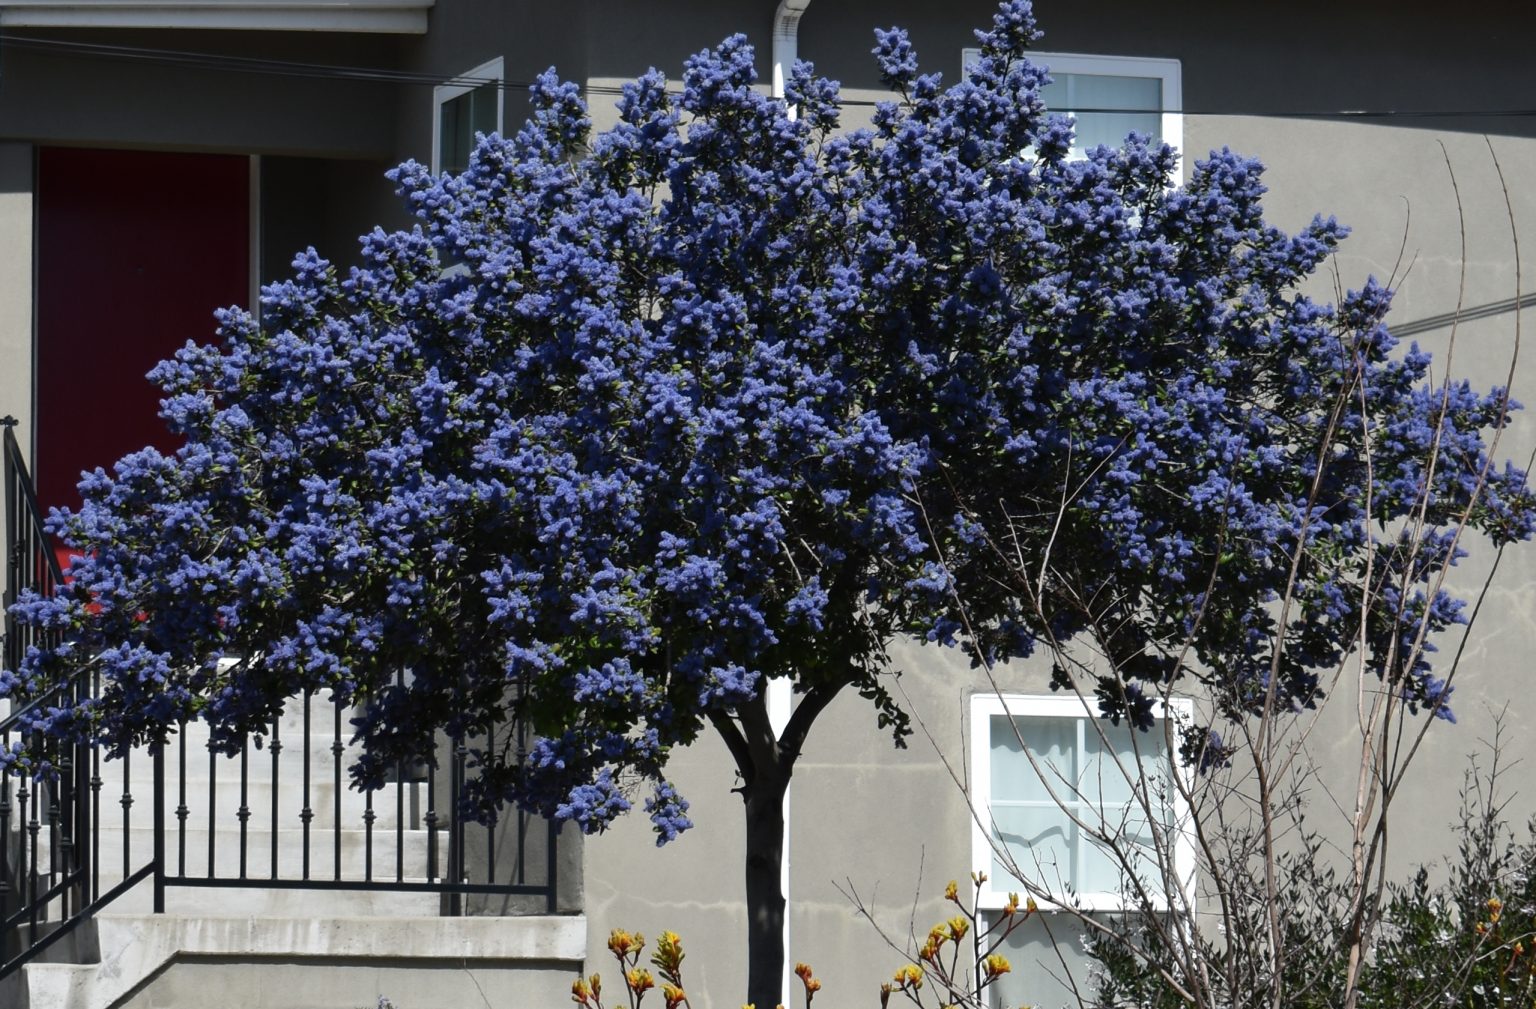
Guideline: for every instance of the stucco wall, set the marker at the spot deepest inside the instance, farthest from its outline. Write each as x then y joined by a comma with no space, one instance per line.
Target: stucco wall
58,96
15,281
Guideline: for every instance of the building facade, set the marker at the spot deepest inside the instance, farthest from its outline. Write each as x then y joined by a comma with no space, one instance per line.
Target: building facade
161,160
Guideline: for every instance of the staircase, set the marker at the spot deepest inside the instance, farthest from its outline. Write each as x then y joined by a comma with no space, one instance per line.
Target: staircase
190,879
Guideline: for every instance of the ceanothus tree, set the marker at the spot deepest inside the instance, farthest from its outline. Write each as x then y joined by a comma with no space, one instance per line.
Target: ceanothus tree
630,423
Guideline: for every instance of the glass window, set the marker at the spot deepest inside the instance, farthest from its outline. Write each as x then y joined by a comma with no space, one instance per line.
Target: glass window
460,119
1106,108
1110,96
1051,783
470,105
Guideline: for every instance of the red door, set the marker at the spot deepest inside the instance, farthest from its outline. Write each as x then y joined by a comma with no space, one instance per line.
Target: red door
135,251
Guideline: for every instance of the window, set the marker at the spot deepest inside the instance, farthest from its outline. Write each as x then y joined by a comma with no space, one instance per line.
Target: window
460,110
1109,96
1079,775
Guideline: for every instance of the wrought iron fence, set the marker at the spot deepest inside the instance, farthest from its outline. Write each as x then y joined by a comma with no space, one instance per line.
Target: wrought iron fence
275,816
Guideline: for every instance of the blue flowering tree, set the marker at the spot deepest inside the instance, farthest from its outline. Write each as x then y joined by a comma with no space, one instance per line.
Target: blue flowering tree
630,424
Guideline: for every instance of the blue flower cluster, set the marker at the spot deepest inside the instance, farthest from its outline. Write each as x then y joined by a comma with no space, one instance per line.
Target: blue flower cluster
629,423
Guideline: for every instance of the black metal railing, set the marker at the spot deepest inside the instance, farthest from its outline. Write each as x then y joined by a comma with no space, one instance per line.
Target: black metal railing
30,561
276,815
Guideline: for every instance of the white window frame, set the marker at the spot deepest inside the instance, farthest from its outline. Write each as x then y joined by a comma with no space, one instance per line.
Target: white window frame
994,893
1169,71
442,94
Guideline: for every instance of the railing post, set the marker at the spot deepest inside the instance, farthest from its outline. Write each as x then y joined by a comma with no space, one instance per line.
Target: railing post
552,863
158,819
12,559
455,874
84,827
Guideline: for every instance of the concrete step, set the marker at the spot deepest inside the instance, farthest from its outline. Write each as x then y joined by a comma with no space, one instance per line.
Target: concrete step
191,850
152,960
283,902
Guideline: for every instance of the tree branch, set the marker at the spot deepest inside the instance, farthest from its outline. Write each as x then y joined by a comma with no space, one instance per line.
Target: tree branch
812,704
736,743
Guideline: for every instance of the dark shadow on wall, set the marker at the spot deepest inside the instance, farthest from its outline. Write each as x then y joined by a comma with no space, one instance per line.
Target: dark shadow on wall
325,203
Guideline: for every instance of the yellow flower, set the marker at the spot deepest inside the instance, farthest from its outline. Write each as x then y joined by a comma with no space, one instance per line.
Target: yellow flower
952,892
639,980
621,943
1012,906
996,965
580,993
958,926
1031,906
910,976
674,995
668,957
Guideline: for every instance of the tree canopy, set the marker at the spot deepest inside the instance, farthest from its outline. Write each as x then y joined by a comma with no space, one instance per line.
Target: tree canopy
630,422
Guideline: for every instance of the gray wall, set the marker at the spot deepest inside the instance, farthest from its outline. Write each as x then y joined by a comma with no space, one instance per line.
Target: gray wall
322,202
52,96
530,36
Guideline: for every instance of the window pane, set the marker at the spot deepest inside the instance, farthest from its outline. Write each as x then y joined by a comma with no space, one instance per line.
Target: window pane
453,134
1101,871
1117,781
1110,765
1052,742
483,106
1128,103
461,118
1039,840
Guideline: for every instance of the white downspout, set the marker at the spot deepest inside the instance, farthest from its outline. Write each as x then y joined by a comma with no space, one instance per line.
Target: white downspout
786,42
780,700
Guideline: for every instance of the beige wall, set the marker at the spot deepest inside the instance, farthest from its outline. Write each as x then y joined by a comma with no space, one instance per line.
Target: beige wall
1392,184
16,286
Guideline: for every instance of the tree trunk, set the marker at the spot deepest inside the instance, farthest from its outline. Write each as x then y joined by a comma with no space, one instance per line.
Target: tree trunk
765,897
766,763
